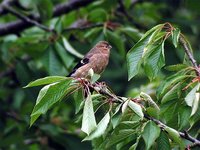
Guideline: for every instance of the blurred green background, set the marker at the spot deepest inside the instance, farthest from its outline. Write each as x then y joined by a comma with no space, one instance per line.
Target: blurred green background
34,53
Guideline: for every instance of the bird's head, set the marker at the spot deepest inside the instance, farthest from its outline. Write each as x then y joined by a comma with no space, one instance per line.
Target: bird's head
103,45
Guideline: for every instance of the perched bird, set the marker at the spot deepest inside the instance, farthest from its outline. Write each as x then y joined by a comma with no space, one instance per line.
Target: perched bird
96,59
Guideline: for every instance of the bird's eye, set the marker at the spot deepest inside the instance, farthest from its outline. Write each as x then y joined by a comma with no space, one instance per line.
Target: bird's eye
107,46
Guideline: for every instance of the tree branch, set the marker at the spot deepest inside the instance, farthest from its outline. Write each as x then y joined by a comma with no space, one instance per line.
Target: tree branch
102,89
60,9
188,51
6,2
184,135
25,18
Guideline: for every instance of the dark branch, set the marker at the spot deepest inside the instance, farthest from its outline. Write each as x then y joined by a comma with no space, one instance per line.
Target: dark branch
19,25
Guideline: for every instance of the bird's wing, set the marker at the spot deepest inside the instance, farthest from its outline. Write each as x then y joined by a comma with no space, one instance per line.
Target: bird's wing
81,63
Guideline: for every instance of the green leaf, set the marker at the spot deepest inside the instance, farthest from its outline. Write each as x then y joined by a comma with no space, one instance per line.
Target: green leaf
175,136
88,121
175,36
169,83
150,134
45,8
70,49
136,108
51,62
172,93
45,80
116,41
192,99
163,142
135,54
134,146
101,127
64,56
155,61
97,15
78,99
183,117
48,96
132,33
116,116
120,136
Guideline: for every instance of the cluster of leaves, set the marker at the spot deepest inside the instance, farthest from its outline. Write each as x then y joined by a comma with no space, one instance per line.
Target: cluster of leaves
35,53
123,123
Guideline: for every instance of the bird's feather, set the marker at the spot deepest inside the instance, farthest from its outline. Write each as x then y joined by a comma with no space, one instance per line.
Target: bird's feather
81,63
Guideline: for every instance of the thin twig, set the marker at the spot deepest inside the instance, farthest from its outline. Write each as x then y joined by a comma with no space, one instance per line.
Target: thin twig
188,50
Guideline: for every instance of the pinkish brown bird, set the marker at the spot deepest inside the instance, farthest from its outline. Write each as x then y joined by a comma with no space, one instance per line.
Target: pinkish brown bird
96,59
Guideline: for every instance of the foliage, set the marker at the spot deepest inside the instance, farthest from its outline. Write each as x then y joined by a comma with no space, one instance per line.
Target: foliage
161,99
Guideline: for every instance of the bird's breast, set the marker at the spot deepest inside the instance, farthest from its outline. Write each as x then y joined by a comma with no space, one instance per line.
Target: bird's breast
99,63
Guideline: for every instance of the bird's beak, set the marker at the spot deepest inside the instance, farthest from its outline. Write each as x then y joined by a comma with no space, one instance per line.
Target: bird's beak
109,46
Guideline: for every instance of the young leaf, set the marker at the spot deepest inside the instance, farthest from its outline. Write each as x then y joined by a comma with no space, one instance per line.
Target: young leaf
101,127
148,98
88,121
195,104
155,61
124,106
48,96
45,80
135,54
150,134
175,36
45,8
136,108
192,99
163,142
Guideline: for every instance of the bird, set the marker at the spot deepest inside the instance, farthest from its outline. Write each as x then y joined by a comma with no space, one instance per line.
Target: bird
96,60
